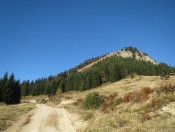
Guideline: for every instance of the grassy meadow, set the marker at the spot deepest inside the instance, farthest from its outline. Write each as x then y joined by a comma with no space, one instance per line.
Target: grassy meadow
144,103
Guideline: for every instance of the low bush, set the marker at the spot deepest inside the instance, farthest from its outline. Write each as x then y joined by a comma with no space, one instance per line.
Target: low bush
139,96
92,101
131,97
110,102
105,106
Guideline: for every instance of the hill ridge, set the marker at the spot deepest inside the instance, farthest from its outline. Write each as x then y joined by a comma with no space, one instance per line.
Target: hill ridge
125,53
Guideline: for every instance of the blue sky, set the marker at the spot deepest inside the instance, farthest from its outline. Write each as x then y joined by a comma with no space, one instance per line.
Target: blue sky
39,38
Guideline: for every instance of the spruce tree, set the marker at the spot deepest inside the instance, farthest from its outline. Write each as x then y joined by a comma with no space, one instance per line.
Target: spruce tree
3,87
10,90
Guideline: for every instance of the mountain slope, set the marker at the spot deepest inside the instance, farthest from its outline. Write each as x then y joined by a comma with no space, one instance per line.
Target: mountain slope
97,71
154,113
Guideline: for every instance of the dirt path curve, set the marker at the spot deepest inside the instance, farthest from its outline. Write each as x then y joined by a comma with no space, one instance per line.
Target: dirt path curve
48,119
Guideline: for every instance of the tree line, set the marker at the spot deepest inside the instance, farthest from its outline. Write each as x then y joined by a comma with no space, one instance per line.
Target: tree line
109,70
10,91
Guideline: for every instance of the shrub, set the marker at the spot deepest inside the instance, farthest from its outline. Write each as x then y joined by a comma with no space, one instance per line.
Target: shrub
146,90
139,96
92,101
131,97
110,102
104,106
112,97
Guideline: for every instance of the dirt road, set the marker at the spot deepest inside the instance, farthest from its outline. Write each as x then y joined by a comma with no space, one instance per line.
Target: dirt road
48,119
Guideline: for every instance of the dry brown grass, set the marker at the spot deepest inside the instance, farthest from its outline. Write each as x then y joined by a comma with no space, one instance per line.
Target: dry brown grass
138,96
166,87
140,112
9,114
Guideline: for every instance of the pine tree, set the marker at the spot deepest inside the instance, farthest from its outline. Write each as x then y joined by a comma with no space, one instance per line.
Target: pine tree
10,90
3,87
17,92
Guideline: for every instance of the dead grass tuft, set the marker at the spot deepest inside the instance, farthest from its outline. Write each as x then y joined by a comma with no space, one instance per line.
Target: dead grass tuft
139,96
145,117
166,87
109,103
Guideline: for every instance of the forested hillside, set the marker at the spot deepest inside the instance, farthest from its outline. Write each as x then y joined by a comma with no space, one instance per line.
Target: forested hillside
110,69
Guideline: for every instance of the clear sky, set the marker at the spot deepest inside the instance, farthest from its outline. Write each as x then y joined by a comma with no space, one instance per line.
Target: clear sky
39,38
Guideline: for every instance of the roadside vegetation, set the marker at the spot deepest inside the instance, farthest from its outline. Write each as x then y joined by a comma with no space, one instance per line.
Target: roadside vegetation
11,113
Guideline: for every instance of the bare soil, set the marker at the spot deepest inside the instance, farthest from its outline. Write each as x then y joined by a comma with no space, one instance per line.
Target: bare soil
49,119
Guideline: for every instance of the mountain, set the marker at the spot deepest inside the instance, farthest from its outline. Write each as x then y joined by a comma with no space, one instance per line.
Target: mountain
94,72
125,53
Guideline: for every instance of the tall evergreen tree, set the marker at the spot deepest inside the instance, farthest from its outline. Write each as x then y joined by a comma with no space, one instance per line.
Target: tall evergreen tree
17,92
3,87
10,90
